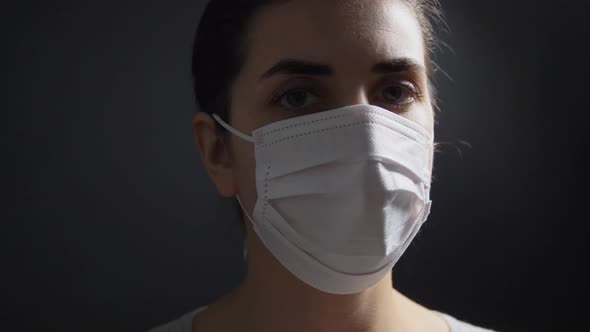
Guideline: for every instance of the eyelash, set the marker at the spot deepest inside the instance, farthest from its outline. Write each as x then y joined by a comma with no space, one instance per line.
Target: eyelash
416,94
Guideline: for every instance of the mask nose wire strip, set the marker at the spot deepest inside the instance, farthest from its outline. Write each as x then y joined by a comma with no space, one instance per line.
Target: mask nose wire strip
234,131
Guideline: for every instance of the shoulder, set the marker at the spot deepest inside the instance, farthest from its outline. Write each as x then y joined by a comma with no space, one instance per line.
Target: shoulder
457,325
183,323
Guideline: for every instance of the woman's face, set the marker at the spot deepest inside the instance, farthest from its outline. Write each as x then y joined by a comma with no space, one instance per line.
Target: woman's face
306,56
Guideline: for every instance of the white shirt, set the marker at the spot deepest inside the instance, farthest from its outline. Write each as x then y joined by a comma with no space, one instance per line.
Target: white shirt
184,323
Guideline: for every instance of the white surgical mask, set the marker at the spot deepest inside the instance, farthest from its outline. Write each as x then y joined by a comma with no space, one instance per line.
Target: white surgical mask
341,193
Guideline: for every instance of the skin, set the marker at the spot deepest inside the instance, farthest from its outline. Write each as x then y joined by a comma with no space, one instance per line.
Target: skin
349,36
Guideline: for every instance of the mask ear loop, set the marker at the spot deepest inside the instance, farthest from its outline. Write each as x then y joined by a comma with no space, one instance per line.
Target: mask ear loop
252,221
233,130
246,138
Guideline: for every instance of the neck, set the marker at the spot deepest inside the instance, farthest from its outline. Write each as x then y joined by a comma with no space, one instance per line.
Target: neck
272,299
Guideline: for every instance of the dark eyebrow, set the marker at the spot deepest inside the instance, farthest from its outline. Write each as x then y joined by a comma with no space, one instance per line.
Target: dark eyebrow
397,65
303,67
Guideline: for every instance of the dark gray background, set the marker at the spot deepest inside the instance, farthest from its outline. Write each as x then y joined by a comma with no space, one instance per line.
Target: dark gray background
118,227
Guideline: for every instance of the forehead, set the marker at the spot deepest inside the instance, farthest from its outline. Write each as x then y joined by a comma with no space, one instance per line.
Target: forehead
345,34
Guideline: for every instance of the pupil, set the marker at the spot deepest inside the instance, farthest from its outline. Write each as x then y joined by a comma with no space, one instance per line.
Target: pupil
296,98
394,92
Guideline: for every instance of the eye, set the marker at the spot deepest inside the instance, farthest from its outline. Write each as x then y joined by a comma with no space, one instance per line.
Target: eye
400,94
294,98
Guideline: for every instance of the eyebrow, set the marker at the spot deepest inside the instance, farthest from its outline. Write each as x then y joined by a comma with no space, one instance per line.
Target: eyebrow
304,67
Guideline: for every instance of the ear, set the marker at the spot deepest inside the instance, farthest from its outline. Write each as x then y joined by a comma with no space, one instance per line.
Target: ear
215,153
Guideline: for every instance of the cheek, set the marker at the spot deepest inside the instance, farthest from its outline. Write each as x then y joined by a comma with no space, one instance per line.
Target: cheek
421,114
424,116
244,170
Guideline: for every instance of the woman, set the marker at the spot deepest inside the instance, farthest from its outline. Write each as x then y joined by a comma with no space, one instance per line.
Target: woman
318,116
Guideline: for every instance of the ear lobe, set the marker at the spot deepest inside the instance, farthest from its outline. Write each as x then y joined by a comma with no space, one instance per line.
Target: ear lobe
226,185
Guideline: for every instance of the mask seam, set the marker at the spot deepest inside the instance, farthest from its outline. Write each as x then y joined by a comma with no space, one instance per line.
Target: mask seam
333,128
344,115
265,190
